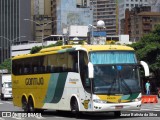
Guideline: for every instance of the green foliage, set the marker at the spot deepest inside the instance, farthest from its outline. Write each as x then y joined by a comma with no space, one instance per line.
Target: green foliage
35,49
148,49
38,48
6,65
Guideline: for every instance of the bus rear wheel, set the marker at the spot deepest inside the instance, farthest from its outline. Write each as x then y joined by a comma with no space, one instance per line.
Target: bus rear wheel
31,105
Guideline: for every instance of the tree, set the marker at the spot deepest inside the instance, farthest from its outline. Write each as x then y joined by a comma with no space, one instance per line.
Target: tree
148,49
36,49
6,65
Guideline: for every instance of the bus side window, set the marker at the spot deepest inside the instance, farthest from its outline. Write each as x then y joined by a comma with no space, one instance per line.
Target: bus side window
48,69
74,61
52,68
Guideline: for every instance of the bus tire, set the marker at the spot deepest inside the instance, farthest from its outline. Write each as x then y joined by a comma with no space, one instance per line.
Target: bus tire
117,113
32,108
75,108
25,104
31,105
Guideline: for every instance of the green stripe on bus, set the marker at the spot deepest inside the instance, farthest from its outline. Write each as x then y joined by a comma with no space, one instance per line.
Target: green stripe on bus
51,87
55,87
133,96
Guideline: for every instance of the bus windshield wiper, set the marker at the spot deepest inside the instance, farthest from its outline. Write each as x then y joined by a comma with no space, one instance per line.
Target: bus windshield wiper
109,91
130,91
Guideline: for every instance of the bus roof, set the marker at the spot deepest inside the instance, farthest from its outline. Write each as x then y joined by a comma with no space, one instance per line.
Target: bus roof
60,49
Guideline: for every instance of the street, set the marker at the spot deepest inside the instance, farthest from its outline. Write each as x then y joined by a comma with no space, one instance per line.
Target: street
149,111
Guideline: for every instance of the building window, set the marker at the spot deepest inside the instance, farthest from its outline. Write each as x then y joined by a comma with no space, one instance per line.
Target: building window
137,32
127,5
132,5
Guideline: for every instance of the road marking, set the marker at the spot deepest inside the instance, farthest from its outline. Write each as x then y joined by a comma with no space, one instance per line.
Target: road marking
59,117
2,118
1,103
9,102
40,118
18,118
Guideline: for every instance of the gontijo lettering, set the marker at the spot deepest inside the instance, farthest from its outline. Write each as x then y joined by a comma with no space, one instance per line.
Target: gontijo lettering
34,81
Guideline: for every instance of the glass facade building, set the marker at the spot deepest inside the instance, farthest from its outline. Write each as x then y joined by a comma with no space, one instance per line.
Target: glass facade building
12,27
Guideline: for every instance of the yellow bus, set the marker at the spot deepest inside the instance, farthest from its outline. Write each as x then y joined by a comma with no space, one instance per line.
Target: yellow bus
78,78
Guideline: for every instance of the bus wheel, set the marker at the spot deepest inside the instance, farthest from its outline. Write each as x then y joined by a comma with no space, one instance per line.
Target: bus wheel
31,105
25,105
74,107
117,113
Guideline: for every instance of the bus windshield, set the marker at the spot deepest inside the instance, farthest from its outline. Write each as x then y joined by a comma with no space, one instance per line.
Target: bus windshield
116,79
115,72
113,57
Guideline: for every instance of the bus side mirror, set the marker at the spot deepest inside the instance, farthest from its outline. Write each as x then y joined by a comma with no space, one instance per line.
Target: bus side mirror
90,70
146,68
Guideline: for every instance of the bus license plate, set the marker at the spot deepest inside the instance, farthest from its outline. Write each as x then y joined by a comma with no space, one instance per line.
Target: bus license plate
118,107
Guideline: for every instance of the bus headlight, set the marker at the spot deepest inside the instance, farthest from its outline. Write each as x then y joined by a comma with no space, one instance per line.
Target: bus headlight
136,100
99,101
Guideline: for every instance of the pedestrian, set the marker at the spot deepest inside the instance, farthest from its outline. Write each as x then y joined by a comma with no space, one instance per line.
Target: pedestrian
147,86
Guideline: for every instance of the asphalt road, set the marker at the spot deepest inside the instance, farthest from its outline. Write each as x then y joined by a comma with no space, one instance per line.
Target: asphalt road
149,111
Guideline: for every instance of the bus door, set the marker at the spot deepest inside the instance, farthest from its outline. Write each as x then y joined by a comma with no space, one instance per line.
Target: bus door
83,70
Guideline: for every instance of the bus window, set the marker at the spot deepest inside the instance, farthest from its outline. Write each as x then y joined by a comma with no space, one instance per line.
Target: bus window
74,61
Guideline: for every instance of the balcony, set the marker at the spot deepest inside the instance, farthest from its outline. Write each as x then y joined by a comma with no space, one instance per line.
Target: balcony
146,22
145,28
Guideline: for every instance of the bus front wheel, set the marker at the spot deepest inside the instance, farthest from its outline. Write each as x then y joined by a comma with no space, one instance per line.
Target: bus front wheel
74,107
117,113
25,104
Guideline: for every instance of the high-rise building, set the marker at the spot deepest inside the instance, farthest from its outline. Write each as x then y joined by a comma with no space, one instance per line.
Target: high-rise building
12,27
41,19
140,21
155,5
106,10
70,12
128,4
53,16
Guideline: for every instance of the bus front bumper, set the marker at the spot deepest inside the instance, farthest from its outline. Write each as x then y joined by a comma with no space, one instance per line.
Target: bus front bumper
117,107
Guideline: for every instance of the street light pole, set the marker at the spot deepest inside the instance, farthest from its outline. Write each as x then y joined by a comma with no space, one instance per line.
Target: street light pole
10,42
92,31
42,26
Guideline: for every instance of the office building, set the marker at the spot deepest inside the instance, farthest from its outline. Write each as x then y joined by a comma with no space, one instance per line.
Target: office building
70,12
106,10
128,4
41,19
140,21
12,27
